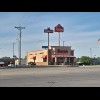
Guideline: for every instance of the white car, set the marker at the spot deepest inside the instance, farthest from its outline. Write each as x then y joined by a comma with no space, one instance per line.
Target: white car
11,65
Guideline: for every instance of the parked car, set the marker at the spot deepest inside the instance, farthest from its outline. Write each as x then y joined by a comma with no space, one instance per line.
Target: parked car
31,63
2,64
11,65
81,63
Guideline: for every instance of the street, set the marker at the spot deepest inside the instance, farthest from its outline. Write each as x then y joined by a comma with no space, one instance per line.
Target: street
50,77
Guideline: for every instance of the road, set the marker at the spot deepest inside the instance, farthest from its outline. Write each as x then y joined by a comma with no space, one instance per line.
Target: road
50,77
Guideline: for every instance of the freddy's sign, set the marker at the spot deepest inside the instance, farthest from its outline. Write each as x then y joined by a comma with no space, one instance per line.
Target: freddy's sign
62,51
59,28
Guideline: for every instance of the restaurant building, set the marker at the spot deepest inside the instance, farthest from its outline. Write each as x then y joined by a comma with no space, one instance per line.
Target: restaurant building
55,55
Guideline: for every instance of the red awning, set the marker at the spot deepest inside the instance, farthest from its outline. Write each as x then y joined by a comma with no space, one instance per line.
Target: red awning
41,52
34,57
71,57
44,56
53,56
65,56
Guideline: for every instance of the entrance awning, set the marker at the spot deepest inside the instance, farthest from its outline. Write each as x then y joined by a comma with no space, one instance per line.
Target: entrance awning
34,57
65,56
44,56
71,57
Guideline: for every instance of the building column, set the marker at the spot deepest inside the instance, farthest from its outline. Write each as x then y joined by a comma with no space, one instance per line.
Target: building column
55,61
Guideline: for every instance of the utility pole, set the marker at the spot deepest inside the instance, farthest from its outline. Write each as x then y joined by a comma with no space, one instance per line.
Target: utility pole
91,55
20,29
13,50
18,44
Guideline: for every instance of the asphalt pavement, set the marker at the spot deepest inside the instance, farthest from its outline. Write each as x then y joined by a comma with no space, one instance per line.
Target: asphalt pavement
83,76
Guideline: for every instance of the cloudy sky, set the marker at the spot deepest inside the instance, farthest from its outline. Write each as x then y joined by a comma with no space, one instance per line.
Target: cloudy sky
81,31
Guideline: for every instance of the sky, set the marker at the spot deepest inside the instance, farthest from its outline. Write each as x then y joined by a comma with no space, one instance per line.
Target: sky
81,31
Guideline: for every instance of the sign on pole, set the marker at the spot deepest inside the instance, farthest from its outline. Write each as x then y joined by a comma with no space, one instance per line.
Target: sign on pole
48,30
59,28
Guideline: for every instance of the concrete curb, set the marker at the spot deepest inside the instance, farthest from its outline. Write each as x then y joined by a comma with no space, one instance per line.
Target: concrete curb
39,66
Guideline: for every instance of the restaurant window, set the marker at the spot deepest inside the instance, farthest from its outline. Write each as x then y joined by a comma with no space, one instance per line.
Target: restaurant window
44,59
53,60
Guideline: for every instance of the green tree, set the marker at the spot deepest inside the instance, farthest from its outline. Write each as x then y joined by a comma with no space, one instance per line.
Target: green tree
77,59
86,60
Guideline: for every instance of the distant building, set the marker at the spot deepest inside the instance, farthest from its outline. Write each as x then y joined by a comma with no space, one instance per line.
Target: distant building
56,55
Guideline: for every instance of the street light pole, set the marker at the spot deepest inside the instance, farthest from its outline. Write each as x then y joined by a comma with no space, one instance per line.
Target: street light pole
63,51
91,55
20,29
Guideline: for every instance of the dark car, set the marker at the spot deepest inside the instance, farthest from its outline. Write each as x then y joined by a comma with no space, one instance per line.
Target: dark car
2,64
31,63
81,63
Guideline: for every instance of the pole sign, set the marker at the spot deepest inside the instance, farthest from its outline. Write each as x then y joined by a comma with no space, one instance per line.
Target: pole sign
59,28
48,30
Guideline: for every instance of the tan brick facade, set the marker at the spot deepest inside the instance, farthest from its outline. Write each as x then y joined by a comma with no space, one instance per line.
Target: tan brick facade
38,55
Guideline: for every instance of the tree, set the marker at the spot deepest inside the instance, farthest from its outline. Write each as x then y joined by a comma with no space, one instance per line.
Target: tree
77,59
86,60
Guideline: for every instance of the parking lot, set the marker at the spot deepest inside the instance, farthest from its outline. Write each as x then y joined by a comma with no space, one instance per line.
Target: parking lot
51,77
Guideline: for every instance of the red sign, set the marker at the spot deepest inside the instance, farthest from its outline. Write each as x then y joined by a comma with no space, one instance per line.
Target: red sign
59,28
48,30
62,51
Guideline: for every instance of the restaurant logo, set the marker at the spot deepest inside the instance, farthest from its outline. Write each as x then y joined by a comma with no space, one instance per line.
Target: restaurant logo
59,28
62,51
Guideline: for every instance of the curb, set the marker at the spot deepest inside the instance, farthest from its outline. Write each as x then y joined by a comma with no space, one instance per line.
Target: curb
39,66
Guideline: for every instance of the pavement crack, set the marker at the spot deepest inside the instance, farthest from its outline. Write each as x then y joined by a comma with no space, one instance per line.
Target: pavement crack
51,83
